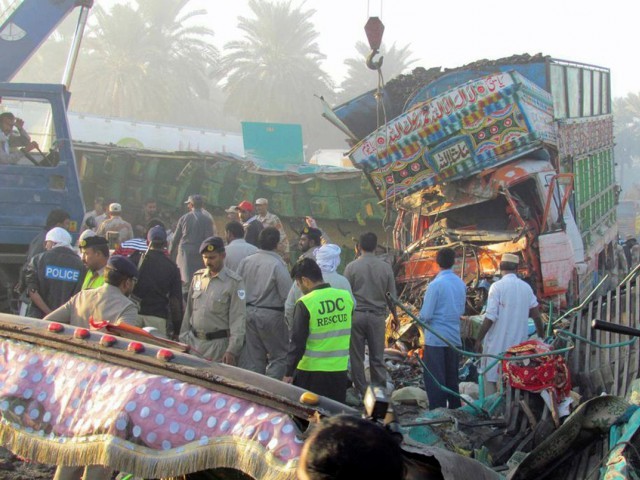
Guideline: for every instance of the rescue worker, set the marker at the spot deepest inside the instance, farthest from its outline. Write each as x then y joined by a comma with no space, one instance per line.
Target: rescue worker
268,282
370,278
159,287
328,259
269,219
95,254
115,223
215,319
237,248
192,229
53,276
310,241
510,303
252,227
319,350
109,303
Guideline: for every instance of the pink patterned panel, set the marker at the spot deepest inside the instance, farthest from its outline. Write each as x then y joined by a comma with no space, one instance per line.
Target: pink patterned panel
64,396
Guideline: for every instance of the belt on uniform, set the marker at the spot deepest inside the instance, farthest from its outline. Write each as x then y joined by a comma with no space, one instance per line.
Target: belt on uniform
199,334
277,309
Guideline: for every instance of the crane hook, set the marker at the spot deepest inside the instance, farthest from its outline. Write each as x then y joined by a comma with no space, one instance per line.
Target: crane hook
374,65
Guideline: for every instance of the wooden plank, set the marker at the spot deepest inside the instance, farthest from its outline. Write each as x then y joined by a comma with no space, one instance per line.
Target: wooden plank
616,339
587,356
607,335
598,335
577,328
626,351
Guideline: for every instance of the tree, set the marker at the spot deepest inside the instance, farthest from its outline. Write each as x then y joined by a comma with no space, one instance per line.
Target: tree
274,72
361,79
627,134
148,61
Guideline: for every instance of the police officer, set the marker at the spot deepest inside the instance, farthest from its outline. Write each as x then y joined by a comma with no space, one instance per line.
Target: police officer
53,276
95,254
319,348
215,318
110,302
192,229
268,283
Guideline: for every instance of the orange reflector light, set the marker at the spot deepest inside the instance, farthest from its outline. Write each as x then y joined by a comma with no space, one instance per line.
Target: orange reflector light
309,398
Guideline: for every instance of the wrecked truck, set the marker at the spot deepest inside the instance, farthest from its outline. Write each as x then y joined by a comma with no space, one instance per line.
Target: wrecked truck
508,156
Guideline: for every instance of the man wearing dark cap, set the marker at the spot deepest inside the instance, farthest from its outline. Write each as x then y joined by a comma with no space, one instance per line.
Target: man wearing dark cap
95,254
309,243
159,287
214,321
268,283
251,224
192,229
110,302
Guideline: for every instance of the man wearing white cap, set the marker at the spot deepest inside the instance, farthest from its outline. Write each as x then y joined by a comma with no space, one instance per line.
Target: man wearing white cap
55,275
510,304
269,219
115,223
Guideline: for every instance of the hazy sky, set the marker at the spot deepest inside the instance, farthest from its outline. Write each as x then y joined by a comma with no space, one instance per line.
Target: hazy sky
452,33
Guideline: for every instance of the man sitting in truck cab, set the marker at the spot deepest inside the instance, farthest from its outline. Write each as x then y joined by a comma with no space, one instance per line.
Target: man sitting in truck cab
10,141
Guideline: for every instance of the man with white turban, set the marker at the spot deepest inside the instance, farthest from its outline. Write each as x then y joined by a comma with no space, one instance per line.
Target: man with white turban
54,275
328,259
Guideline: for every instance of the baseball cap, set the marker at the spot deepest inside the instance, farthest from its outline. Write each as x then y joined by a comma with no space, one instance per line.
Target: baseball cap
157,234
232,209
122,265
246,206
212,244
115,208
92,241
262,201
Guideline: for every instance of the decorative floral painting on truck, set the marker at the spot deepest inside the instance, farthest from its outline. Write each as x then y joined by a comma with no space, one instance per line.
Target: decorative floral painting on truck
483,123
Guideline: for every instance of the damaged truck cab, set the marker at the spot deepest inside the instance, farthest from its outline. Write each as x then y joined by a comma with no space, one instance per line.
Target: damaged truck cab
508,156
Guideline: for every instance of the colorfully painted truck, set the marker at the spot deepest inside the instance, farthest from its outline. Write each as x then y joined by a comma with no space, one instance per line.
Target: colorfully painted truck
510,156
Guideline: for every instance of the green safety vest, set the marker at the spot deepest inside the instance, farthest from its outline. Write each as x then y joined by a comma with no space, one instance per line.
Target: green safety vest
329,330
90,282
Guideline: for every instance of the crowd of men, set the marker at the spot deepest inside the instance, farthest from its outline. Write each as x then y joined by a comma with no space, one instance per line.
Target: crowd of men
234,297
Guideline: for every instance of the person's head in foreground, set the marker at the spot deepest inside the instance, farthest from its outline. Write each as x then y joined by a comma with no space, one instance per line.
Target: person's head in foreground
348,447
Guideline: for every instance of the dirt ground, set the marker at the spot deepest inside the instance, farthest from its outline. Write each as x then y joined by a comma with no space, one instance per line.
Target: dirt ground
13,468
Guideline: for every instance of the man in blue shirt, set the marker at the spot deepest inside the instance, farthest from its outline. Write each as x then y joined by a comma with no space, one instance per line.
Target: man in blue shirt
441,310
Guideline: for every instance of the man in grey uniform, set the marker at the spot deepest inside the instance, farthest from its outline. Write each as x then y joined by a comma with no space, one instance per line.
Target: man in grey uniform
268,283
214,322
370,278
237,247
192,229
110,302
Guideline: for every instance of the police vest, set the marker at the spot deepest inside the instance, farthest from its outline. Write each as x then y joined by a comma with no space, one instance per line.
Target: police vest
329,330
